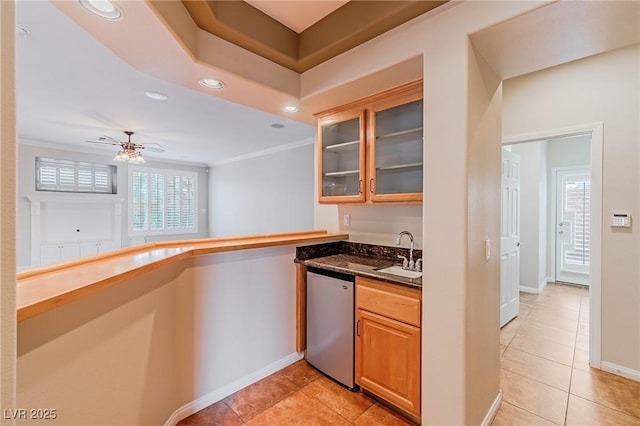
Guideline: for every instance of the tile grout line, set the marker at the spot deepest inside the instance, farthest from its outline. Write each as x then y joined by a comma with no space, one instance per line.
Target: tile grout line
573,362
536,302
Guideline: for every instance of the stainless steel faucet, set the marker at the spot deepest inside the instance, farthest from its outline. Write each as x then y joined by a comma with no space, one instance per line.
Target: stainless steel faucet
410,264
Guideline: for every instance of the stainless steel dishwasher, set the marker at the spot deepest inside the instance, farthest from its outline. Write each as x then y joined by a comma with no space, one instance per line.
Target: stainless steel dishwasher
330,324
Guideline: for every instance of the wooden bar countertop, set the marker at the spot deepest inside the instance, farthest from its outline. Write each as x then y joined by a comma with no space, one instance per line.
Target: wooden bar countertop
42,289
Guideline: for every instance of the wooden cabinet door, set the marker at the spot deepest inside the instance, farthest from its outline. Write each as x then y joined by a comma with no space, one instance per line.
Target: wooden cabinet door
341,154
395,147
388,359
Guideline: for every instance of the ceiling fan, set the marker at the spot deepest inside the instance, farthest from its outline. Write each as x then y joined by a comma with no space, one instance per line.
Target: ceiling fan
129,151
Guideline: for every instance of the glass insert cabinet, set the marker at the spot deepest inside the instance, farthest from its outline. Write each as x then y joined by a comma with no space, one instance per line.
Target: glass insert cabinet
370,151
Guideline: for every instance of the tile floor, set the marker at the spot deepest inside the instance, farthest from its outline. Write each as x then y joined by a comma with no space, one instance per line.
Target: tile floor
545,377
296,395
545,373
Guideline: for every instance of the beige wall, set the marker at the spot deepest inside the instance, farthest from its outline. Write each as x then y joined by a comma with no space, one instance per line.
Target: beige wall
603,88
163,345
484,145
381,224
106,359
460,338
7,209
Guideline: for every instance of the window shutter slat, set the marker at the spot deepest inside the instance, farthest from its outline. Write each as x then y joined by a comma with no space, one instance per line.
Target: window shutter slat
74,176
169,205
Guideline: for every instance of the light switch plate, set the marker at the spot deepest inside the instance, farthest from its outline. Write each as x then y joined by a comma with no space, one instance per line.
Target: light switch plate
487,250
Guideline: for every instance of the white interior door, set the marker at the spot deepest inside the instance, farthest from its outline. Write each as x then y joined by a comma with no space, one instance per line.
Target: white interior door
573,225
510,238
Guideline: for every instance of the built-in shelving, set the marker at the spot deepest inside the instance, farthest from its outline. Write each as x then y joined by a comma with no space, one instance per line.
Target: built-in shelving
344,146
409,135
400,167
342,173
371,151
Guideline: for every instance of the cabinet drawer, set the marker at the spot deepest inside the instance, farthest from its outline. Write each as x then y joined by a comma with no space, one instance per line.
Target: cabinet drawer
389,300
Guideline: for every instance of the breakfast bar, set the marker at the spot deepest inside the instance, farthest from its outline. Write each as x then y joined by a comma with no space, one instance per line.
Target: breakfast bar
154,333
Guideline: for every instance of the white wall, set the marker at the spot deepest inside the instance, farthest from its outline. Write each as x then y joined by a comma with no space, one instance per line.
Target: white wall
26,187
571,151
561,152
603,88
537,233
178,338
533,214
265,194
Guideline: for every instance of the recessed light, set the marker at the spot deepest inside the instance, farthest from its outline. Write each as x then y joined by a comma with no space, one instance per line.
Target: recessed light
211,83
103,8
277,125
290,108
157,96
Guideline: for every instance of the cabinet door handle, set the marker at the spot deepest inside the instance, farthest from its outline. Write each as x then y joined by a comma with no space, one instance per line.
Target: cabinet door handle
358,328
360,186
371,185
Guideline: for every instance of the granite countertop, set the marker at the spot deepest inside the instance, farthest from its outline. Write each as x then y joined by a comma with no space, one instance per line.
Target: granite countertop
357,259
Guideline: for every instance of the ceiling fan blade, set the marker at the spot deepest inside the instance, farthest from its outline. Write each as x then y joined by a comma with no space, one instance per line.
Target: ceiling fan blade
104,142
151,148
108,138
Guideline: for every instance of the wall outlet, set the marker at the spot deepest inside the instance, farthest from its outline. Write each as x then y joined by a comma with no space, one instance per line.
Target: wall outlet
346,220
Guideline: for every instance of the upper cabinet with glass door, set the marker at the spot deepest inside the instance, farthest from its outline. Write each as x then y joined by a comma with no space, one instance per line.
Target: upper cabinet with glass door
341,148
371,150
395,148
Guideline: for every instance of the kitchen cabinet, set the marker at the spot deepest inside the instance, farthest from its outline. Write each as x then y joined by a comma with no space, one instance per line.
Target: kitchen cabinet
60,252
53,253
388,338
93,248
370,151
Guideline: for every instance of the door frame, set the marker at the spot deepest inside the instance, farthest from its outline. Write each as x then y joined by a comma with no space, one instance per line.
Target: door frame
595,129
552,232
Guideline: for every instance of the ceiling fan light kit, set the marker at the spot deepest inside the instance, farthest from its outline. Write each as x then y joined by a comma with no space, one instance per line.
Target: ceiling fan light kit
129,151
129,156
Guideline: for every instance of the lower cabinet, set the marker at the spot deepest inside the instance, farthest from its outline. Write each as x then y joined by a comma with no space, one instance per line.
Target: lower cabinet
388,337
90,249
53,253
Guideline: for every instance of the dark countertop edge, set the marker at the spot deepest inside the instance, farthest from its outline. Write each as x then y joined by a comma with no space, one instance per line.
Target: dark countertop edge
374,275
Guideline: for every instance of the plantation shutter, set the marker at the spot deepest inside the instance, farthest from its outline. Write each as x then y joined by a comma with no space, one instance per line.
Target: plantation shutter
140,200
74,176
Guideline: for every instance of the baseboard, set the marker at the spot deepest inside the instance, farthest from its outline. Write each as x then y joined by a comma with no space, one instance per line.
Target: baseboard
535,290
493,410
223,392
527,289
543,284
620,371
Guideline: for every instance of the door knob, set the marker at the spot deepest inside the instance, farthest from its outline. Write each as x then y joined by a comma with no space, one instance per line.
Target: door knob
560,232
518,244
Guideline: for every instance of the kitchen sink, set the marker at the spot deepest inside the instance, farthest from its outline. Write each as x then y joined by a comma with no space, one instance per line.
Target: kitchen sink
397,270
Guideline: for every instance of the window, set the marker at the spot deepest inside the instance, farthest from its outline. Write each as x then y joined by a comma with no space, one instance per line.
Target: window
75,176
162,201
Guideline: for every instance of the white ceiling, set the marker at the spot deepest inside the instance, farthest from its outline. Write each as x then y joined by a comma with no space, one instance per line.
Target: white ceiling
70,88
297,15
